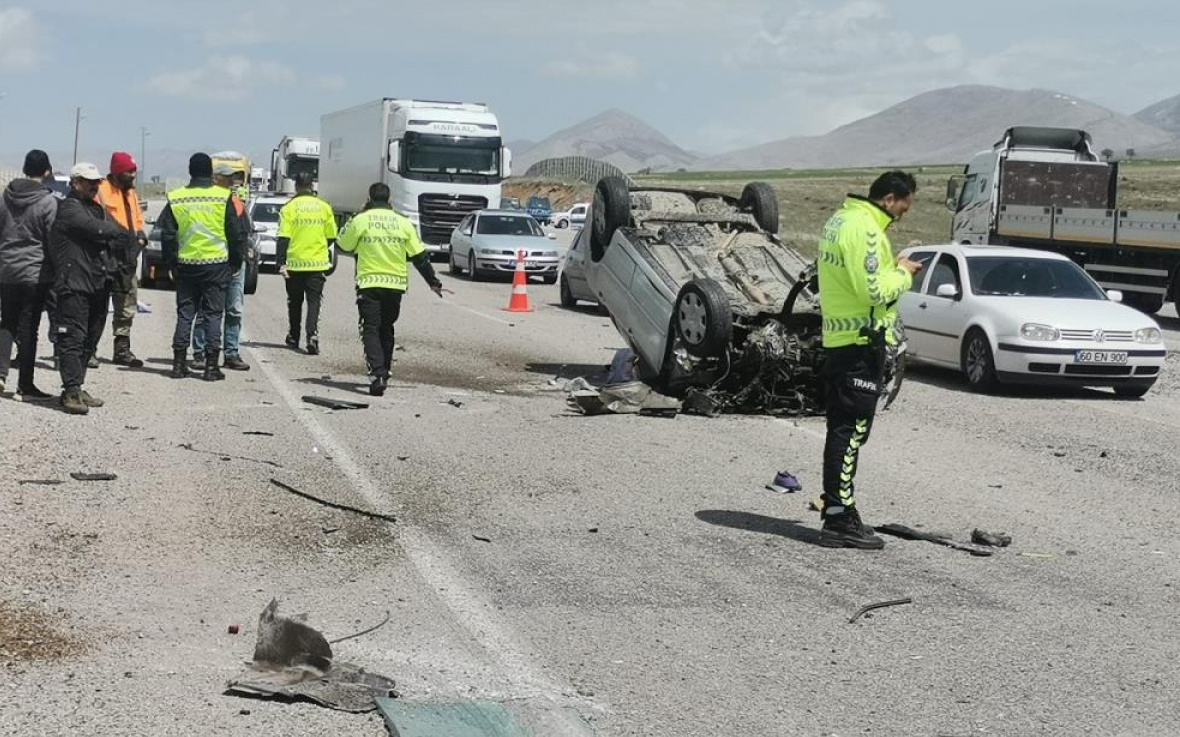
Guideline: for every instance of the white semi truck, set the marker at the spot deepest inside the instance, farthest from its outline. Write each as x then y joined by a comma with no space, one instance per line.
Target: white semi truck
441,161
1046,188
290,158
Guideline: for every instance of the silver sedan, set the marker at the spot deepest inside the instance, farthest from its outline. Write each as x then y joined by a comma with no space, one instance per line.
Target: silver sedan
488,242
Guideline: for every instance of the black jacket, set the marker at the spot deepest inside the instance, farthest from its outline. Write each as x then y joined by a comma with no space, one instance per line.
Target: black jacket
26,218
237,231
80,245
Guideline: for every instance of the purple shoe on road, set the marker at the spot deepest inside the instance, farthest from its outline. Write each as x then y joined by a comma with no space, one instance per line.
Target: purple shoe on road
785,483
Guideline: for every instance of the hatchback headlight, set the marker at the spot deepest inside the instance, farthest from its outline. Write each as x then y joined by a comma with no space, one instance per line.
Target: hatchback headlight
551,254
1036,331
1148,335
486,252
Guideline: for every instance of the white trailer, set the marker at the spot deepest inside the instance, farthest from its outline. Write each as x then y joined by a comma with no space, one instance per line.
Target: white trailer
1046,188
441,161
293,156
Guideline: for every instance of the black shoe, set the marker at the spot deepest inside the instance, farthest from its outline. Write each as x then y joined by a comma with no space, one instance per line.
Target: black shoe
198,362
377,388
845,530
92,362
313,346
293,341
180,368
212,370
33,394
235,363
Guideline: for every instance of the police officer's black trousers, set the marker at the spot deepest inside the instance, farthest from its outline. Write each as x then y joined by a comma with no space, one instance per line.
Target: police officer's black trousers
379,309
200,289
20,321
852,382
81,318
302,285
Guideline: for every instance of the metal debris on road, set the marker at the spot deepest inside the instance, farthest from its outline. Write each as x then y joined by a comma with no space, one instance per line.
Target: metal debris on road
234,629
40,482
226,456
881,605
332,505
261,433
93,476
621,399
362,633
455,403
482,539
992,540
334,403
909,533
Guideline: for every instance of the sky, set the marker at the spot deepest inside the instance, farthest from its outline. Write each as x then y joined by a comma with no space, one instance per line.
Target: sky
714,75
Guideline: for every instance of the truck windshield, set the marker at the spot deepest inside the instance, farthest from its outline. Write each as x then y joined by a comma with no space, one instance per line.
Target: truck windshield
453,155
297,165
508,225
266,212
1014,276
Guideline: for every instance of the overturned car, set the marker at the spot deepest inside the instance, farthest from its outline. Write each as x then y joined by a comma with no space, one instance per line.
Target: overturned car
719,311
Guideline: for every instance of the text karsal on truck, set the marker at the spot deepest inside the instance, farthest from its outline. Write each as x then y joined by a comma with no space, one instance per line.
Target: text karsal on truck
1046,188
292,157
441,160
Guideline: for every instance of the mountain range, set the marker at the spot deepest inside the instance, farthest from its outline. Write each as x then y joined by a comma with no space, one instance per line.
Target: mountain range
948,125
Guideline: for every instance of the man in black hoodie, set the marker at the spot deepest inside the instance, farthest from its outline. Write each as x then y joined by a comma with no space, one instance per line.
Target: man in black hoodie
80,244
26,217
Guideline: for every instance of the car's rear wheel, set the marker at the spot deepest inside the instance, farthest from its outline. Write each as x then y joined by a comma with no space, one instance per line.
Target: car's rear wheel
251,283
759,199
1133,391
567,297
454,268
978,362
703,318
610,211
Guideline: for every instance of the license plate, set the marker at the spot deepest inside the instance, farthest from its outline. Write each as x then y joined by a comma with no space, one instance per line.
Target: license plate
1101,357
532,264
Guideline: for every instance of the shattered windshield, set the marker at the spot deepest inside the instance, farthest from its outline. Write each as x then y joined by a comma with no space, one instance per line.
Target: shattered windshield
1014,276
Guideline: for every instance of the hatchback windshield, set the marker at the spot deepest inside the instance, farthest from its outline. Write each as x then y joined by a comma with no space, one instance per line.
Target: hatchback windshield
508,225
1013,276
266,212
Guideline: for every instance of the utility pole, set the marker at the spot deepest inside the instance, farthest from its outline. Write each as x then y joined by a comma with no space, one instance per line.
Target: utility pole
142,172
77,126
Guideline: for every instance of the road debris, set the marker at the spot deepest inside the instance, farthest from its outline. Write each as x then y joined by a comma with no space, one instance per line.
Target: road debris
482,539
293,660
909,533
455,403
40,482
234,629
881,605
332,505
992,540
77,476
226,456
362,633
334,403
785,483
261,433
620,399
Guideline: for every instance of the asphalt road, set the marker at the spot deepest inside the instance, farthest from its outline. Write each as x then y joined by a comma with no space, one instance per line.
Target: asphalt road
617,575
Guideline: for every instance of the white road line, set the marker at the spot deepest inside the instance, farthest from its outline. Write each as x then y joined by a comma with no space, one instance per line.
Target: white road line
473,311
467,607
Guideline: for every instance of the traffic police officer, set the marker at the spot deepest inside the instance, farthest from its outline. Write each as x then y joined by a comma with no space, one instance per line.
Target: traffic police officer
859,286
383,242
204,242
307,232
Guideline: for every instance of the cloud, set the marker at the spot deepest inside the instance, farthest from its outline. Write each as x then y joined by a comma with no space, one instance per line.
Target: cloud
329,82
20,40
613,65
229,78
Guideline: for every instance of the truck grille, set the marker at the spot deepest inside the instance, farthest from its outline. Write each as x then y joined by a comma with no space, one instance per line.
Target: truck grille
440,213
1108,336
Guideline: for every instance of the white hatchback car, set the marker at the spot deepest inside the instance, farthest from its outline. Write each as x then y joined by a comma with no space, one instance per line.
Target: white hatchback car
1017,315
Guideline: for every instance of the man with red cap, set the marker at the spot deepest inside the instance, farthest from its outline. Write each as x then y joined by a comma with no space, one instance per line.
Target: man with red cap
117,194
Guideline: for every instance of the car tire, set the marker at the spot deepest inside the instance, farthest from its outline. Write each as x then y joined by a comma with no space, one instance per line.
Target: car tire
978,363
759,199
610,211
703,318
453,268
1133,391
567,297
472,272
561,224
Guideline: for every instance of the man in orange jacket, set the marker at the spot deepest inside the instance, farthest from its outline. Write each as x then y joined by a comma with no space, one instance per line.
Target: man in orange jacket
117,194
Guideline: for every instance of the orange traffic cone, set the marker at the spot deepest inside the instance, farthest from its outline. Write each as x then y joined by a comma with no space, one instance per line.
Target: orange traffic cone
520,293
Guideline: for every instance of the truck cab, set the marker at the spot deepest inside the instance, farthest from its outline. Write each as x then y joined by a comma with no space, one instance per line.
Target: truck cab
292,157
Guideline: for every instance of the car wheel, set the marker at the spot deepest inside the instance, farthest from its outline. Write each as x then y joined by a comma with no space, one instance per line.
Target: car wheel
567,297
759,199
610,211
560,224
978,363
1133,391
453,267
703,318
472,272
